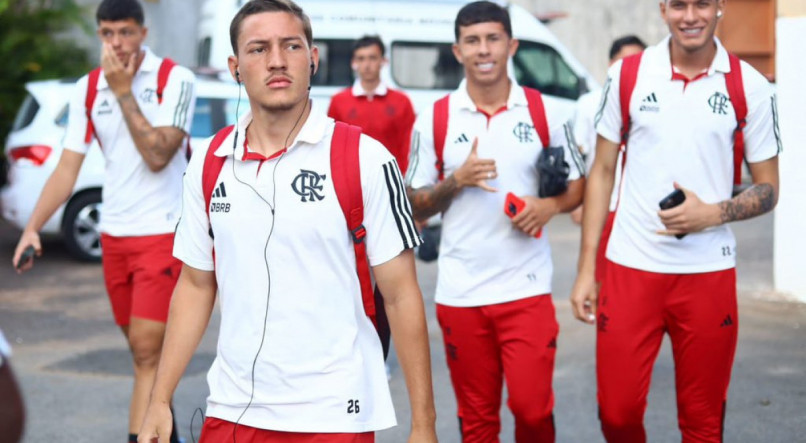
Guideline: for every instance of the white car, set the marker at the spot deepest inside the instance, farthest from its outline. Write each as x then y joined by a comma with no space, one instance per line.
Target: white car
34,146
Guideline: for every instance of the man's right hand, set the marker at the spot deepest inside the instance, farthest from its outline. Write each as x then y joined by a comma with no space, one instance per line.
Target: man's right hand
28,238
476,171
157,424
584,297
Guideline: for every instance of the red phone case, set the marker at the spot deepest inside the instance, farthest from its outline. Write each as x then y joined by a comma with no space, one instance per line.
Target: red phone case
513,206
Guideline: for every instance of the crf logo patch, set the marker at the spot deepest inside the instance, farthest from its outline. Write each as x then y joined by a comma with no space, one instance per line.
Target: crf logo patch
523,131
308,185
719,103
147,96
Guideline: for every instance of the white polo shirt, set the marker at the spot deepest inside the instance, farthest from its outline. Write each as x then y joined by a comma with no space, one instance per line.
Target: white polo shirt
137,201
321,353
585,134
483,258
681,131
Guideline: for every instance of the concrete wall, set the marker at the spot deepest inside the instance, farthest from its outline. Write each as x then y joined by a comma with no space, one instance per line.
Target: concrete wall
790,240
591,26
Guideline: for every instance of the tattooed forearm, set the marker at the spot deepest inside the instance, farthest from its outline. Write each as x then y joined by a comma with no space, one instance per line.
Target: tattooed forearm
756,200
156,148
432,200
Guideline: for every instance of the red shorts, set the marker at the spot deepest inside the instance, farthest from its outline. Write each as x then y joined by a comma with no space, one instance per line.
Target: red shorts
216,430
601,261
140,274
485,345
636,309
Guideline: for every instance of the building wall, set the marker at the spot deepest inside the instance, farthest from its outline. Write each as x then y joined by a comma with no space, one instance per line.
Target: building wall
591,26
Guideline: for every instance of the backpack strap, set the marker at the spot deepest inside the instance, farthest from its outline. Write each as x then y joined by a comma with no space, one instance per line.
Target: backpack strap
538,113
89,101
345,170
627,80
162,76
440,128
212,168
733,81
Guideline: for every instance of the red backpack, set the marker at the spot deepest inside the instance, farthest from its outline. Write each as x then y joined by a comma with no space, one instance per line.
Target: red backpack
735,87
536,110
346,175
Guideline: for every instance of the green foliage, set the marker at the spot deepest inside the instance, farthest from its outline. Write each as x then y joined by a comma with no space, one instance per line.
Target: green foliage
33,47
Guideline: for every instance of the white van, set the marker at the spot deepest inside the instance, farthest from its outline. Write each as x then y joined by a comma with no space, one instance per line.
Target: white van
418,37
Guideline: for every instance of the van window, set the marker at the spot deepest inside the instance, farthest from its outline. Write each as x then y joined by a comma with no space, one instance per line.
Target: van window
421,65
212,114
203,54
334,63
541,67
26,113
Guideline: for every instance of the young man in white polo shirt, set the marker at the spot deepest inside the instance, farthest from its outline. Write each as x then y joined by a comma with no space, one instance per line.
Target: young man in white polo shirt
494,283
682,118
298,359
141,126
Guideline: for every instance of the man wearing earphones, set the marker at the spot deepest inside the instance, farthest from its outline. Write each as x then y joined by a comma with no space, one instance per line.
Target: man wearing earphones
298,359
139,108
382,113
693,113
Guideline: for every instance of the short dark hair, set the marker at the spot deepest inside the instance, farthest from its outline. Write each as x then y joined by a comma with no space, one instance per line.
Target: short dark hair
117,10
259,6
482,12
369,40
621,42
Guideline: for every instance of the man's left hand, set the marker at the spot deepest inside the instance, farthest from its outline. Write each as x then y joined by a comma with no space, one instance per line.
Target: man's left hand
536,213
118,76
693,215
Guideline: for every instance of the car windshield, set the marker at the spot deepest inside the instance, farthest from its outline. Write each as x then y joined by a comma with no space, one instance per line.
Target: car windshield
26,113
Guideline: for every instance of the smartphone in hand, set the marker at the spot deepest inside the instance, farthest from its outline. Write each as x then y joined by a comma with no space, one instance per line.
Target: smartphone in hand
513,206
26,256
676,198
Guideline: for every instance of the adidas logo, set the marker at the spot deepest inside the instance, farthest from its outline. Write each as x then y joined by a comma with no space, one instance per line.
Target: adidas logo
650,104
220,191
104,108
462,139
726,322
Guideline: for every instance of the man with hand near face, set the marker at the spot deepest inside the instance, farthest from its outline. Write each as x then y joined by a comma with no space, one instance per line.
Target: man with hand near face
298,359
694,114
142,130
383,113
494,284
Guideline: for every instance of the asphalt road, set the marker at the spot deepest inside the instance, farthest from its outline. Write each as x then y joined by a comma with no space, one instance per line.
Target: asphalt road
75,372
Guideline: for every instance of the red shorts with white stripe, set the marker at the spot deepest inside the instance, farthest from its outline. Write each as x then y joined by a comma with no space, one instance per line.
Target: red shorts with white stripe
636,308
220,431
515,341
601,261
140,274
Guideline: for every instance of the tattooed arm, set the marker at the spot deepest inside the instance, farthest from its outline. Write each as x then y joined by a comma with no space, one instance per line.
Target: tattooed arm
431,200
694,215
756,200
157,146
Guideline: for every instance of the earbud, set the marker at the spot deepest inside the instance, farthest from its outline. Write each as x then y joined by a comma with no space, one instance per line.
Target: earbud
310,82
238,76
718,14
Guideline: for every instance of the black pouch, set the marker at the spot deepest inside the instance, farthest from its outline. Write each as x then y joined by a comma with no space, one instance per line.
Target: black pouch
552,171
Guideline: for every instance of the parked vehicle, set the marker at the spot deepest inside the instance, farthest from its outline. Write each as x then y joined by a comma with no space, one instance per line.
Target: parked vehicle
418,36
34,146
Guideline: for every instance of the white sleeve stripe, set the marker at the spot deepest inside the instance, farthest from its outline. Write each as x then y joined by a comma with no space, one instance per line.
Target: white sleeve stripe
602,102
572,146
183,104
403,219
775,129
414,156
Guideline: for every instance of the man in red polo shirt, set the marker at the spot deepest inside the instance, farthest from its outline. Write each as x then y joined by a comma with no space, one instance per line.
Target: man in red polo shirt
383,113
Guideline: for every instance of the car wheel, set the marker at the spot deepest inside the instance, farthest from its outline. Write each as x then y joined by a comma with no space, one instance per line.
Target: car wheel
80,226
